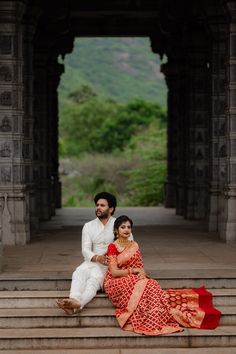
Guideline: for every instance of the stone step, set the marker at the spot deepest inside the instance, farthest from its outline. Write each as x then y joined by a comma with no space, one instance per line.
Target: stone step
171,279
31,299
89,317
115,338
54,317
223,350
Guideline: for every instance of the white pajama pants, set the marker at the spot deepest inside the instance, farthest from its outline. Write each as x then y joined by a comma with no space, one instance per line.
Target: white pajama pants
87,279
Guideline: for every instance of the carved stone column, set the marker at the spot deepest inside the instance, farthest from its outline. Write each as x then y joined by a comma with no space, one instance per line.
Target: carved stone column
14,195
41,149
198,134
171,77
181,130
174,75
54,73
218,122
29,27
228,216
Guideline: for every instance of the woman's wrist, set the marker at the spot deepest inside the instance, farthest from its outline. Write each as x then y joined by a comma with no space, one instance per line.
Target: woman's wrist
96,258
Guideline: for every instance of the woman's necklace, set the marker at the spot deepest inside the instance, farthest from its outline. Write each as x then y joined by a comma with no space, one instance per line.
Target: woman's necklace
123,243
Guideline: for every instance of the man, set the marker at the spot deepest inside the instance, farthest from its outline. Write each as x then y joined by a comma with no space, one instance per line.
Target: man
97,234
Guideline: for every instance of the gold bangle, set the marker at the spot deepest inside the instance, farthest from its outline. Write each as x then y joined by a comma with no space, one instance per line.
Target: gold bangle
96,258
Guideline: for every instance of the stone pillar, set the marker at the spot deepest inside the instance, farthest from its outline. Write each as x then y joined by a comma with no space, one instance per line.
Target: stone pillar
54,73
218,123
41,138
171,77
174,75
14,195
228,216
29,23
181,135
197,177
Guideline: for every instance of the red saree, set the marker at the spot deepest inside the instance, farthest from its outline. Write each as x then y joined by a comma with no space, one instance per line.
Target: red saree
143,307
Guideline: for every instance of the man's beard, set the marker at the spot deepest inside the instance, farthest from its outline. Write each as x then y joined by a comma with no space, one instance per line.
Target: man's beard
103,215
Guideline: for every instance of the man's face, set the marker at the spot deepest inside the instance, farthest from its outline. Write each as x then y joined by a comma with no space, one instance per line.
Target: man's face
102,209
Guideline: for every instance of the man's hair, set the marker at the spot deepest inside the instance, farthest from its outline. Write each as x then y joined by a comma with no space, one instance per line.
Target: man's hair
111,199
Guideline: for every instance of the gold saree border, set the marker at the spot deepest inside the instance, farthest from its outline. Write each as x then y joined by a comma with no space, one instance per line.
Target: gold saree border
133,301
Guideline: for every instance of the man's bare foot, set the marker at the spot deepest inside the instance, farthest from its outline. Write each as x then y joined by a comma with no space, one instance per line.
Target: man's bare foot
69,306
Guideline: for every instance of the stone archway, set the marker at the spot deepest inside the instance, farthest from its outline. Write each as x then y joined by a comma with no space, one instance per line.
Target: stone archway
199,40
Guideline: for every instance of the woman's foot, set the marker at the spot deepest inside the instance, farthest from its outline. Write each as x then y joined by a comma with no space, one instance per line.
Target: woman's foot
69,306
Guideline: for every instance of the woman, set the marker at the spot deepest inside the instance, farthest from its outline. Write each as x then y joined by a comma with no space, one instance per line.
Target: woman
141,305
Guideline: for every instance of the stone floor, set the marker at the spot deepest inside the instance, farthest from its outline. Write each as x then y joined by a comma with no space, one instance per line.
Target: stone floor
169,244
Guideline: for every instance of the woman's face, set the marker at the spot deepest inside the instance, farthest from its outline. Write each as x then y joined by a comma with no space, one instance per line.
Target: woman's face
124,229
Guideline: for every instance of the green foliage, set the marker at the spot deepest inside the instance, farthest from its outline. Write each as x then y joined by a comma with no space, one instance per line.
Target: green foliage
136,175
82,95
121,68
80,125
85,177
103,125
146,182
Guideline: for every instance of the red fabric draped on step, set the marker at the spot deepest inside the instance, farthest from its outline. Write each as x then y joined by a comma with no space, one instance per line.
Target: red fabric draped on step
212,315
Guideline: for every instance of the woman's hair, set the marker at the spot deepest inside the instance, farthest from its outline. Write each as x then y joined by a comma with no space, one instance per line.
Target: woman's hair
120,220
111,199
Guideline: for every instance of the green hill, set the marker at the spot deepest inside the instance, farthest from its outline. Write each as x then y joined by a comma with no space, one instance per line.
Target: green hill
121,68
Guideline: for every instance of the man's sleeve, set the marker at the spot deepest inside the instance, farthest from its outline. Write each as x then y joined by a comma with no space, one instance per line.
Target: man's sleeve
87,244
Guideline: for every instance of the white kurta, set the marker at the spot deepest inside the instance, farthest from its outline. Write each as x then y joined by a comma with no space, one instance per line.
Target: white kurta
88,278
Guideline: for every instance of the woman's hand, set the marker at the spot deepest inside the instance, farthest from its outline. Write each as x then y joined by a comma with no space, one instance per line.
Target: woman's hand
140,272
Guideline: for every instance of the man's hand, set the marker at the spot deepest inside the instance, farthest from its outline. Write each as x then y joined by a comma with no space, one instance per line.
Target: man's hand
103,259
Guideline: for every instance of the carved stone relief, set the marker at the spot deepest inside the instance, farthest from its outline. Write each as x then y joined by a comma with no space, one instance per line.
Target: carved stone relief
5,73
5,174
6,98
199,154
5,149
223,173
223,151
5,125
5,45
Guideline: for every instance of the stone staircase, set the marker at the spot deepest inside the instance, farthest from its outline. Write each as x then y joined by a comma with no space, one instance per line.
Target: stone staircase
30,322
